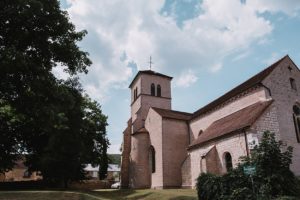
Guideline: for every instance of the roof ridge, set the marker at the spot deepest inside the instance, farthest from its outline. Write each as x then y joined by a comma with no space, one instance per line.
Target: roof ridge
180,112
249,83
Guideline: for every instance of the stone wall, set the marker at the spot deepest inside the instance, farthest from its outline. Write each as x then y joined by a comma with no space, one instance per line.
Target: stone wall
285,97
175,140
139,161
186,173
153,124
126,148
234,144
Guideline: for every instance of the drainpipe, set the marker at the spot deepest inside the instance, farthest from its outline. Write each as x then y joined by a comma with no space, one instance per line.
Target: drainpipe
246,142
189,131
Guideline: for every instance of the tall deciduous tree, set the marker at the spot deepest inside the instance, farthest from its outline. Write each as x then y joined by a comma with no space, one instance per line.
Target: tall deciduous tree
45,117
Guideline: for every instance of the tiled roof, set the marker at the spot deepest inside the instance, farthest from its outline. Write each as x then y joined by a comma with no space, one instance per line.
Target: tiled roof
172,114
150,72
253,81
110,168
113,168
142,130
239,120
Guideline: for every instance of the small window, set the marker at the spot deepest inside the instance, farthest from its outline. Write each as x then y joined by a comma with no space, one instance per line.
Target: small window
152,89
200,132
228,161
152,159
135,94
296,116
293,84
158,91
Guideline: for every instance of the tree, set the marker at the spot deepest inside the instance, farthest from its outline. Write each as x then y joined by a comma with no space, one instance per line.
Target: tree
272,160
35,35
273,176
47,118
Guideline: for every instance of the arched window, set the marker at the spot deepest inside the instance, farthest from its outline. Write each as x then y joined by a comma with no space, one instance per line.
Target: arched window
296,115
228,161
158,91
152,159
152,89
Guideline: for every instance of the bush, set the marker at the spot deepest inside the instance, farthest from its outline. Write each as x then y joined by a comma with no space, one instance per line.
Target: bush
208,186
273,178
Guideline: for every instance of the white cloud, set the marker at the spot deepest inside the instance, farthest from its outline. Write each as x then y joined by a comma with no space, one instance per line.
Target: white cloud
137,29
241,56
289,7
216,67
186,79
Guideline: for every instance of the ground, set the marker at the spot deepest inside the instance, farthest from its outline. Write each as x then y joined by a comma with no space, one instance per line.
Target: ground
171,194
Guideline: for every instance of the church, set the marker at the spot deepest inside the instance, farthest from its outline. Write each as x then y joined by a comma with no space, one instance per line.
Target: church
164,148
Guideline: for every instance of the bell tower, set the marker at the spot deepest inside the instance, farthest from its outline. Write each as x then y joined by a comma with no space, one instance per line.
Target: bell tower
148,89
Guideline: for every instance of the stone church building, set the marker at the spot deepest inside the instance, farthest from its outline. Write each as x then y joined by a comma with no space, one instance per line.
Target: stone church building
164,148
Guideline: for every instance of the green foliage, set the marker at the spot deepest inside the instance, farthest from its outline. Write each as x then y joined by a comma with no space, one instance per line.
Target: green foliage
49,119
273,177
114,159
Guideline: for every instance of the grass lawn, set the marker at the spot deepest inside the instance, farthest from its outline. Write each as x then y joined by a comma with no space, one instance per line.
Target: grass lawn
171,194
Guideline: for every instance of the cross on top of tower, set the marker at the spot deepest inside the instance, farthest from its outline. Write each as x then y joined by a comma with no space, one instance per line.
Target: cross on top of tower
150,62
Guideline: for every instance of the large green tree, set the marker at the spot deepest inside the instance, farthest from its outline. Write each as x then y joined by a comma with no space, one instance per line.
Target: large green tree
41,115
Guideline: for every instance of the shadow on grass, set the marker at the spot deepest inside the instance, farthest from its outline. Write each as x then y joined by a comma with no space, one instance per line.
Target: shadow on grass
183,198
120,194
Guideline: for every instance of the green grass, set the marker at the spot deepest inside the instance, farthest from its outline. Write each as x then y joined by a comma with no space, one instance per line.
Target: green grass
108,194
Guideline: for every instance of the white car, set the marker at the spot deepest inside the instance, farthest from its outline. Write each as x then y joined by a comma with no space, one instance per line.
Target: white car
116,185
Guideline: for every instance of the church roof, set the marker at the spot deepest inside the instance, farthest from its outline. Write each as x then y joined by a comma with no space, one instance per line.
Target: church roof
172,114
149,72
237,121
253,81
141,130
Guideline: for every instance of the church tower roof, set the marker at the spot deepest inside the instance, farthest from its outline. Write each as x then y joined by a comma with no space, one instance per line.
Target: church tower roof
149,72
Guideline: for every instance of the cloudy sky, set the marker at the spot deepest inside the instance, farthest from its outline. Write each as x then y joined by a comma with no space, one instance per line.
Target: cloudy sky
208,46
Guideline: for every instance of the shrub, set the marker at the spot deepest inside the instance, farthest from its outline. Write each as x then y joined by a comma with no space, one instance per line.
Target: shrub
273,178
208,186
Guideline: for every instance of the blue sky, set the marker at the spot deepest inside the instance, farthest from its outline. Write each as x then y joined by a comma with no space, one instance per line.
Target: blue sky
208,46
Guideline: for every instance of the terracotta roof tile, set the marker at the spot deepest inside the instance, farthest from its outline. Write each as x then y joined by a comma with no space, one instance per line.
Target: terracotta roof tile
172,114
239,120
253,81
150,72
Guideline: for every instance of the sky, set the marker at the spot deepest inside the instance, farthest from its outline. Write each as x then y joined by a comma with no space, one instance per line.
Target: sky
208,46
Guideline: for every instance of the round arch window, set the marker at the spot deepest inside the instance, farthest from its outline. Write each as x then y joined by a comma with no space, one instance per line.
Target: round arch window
228,161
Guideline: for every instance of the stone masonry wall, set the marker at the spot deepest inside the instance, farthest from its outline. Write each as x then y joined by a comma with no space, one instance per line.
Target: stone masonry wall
153,124
186,173
234,144
139,161
285,97
125,156
175,140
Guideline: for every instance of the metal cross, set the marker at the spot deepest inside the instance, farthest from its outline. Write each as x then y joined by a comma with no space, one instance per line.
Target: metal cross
150,62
